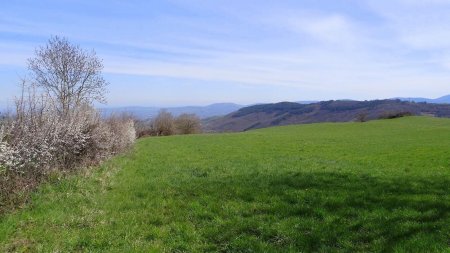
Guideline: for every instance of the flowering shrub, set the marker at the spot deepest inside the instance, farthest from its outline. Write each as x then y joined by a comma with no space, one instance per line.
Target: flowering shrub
64,143
111,136
54,126
37,140
124,132
7,154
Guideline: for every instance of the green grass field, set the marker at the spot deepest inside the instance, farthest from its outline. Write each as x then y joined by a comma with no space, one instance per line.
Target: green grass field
380,186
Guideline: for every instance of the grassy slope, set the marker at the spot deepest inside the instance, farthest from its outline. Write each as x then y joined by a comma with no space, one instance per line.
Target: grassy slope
376,186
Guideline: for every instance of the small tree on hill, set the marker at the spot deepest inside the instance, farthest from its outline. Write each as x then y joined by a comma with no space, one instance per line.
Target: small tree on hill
188,124
163,123
361,117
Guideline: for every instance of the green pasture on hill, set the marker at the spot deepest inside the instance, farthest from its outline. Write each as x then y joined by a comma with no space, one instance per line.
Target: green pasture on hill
380,186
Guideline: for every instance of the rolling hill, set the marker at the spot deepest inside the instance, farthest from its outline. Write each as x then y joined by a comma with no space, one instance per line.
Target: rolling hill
221,109
381,186
286,113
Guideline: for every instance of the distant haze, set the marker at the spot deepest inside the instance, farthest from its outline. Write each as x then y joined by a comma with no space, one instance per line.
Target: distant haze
440,100
200,111
221,109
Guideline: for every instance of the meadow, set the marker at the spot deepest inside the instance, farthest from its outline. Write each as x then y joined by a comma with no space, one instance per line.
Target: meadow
378,186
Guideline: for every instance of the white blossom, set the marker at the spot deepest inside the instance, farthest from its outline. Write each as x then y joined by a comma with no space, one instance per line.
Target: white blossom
46,142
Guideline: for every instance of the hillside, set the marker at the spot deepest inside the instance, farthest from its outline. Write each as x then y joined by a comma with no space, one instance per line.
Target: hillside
287,113
381,186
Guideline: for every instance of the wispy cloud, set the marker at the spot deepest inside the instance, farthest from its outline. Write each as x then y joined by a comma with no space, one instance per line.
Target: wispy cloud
319,49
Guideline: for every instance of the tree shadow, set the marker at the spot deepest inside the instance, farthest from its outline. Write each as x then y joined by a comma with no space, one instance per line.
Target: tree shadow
320,211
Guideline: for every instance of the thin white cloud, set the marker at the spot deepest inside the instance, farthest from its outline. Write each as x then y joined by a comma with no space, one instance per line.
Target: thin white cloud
333,28
310,50
422,25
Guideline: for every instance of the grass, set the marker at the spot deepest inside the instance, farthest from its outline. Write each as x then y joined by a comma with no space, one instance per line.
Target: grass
380,186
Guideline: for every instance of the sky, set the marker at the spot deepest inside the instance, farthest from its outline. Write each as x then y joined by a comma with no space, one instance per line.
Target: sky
198,52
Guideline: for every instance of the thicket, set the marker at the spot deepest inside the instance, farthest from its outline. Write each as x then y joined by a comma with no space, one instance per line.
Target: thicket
165,124
54,127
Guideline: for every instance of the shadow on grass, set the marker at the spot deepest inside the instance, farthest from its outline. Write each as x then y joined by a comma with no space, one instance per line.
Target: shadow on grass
318,212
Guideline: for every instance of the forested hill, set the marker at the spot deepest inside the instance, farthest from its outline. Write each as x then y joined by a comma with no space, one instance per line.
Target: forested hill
285,113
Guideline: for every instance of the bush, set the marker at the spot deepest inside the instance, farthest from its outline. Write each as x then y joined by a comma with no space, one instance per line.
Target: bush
122,130
187,124
393,114
165,124
361,117
55,128
144,128
37,141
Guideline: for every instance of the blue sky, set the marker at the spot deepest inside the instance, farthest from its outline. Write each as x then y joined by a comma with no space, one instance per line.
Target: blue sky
173,52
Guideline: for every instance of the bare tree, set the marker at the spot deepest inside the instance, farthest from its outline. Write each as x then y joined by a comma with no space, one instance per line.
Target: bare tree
163,123
188,124
68,74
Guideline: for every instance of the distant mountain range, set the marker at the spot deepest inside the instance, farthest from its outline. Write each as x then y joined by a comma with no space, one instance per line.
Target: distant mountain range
218,109
221,109
441,100
285,113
